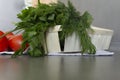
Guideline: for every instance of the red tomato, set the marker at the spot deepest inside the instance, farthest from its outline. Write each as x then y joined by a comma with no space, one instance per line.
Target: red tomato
3,42
15,42
10,35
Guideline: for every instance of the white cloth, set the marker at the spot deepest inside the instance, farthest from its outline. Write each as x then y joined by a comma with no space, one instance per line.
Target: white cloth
98,53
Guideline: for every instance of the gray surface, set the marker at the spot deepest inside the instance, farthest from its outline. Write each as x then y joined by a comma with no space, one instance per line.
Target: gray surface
60,68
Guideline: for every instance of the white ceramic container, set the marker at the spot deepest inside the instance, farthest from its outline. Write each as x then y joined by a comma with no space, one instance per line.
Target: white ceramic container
101,38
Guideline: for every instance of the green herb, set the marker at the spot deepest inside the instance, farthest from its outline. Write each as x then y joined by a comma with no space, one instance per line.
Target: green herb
79,24
36,21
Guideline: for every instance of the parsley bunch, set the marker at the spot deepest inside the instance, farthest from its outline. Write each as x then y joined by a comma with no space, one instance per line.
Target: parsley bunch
35,22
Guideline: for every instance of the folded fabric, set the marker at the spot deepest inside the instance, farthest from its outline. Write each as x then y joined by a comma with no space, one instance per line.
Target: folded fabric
98,53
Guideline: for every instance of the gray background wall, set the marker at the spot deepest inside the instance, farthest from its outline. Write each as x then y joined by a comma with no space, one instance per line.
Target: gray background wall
106,14
8,11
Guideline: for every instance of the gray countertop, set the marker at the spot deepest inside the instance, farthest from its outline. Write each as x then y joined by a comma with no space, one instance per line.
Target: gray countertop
60,68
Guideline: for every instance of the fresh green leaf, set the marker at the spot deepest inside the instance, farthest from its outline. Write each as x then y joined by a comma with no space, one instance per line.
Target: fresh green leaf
35,22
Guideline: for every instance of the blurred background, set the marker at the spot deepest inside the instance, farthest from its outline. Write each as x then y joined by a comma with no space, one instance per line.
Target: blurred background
106,14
